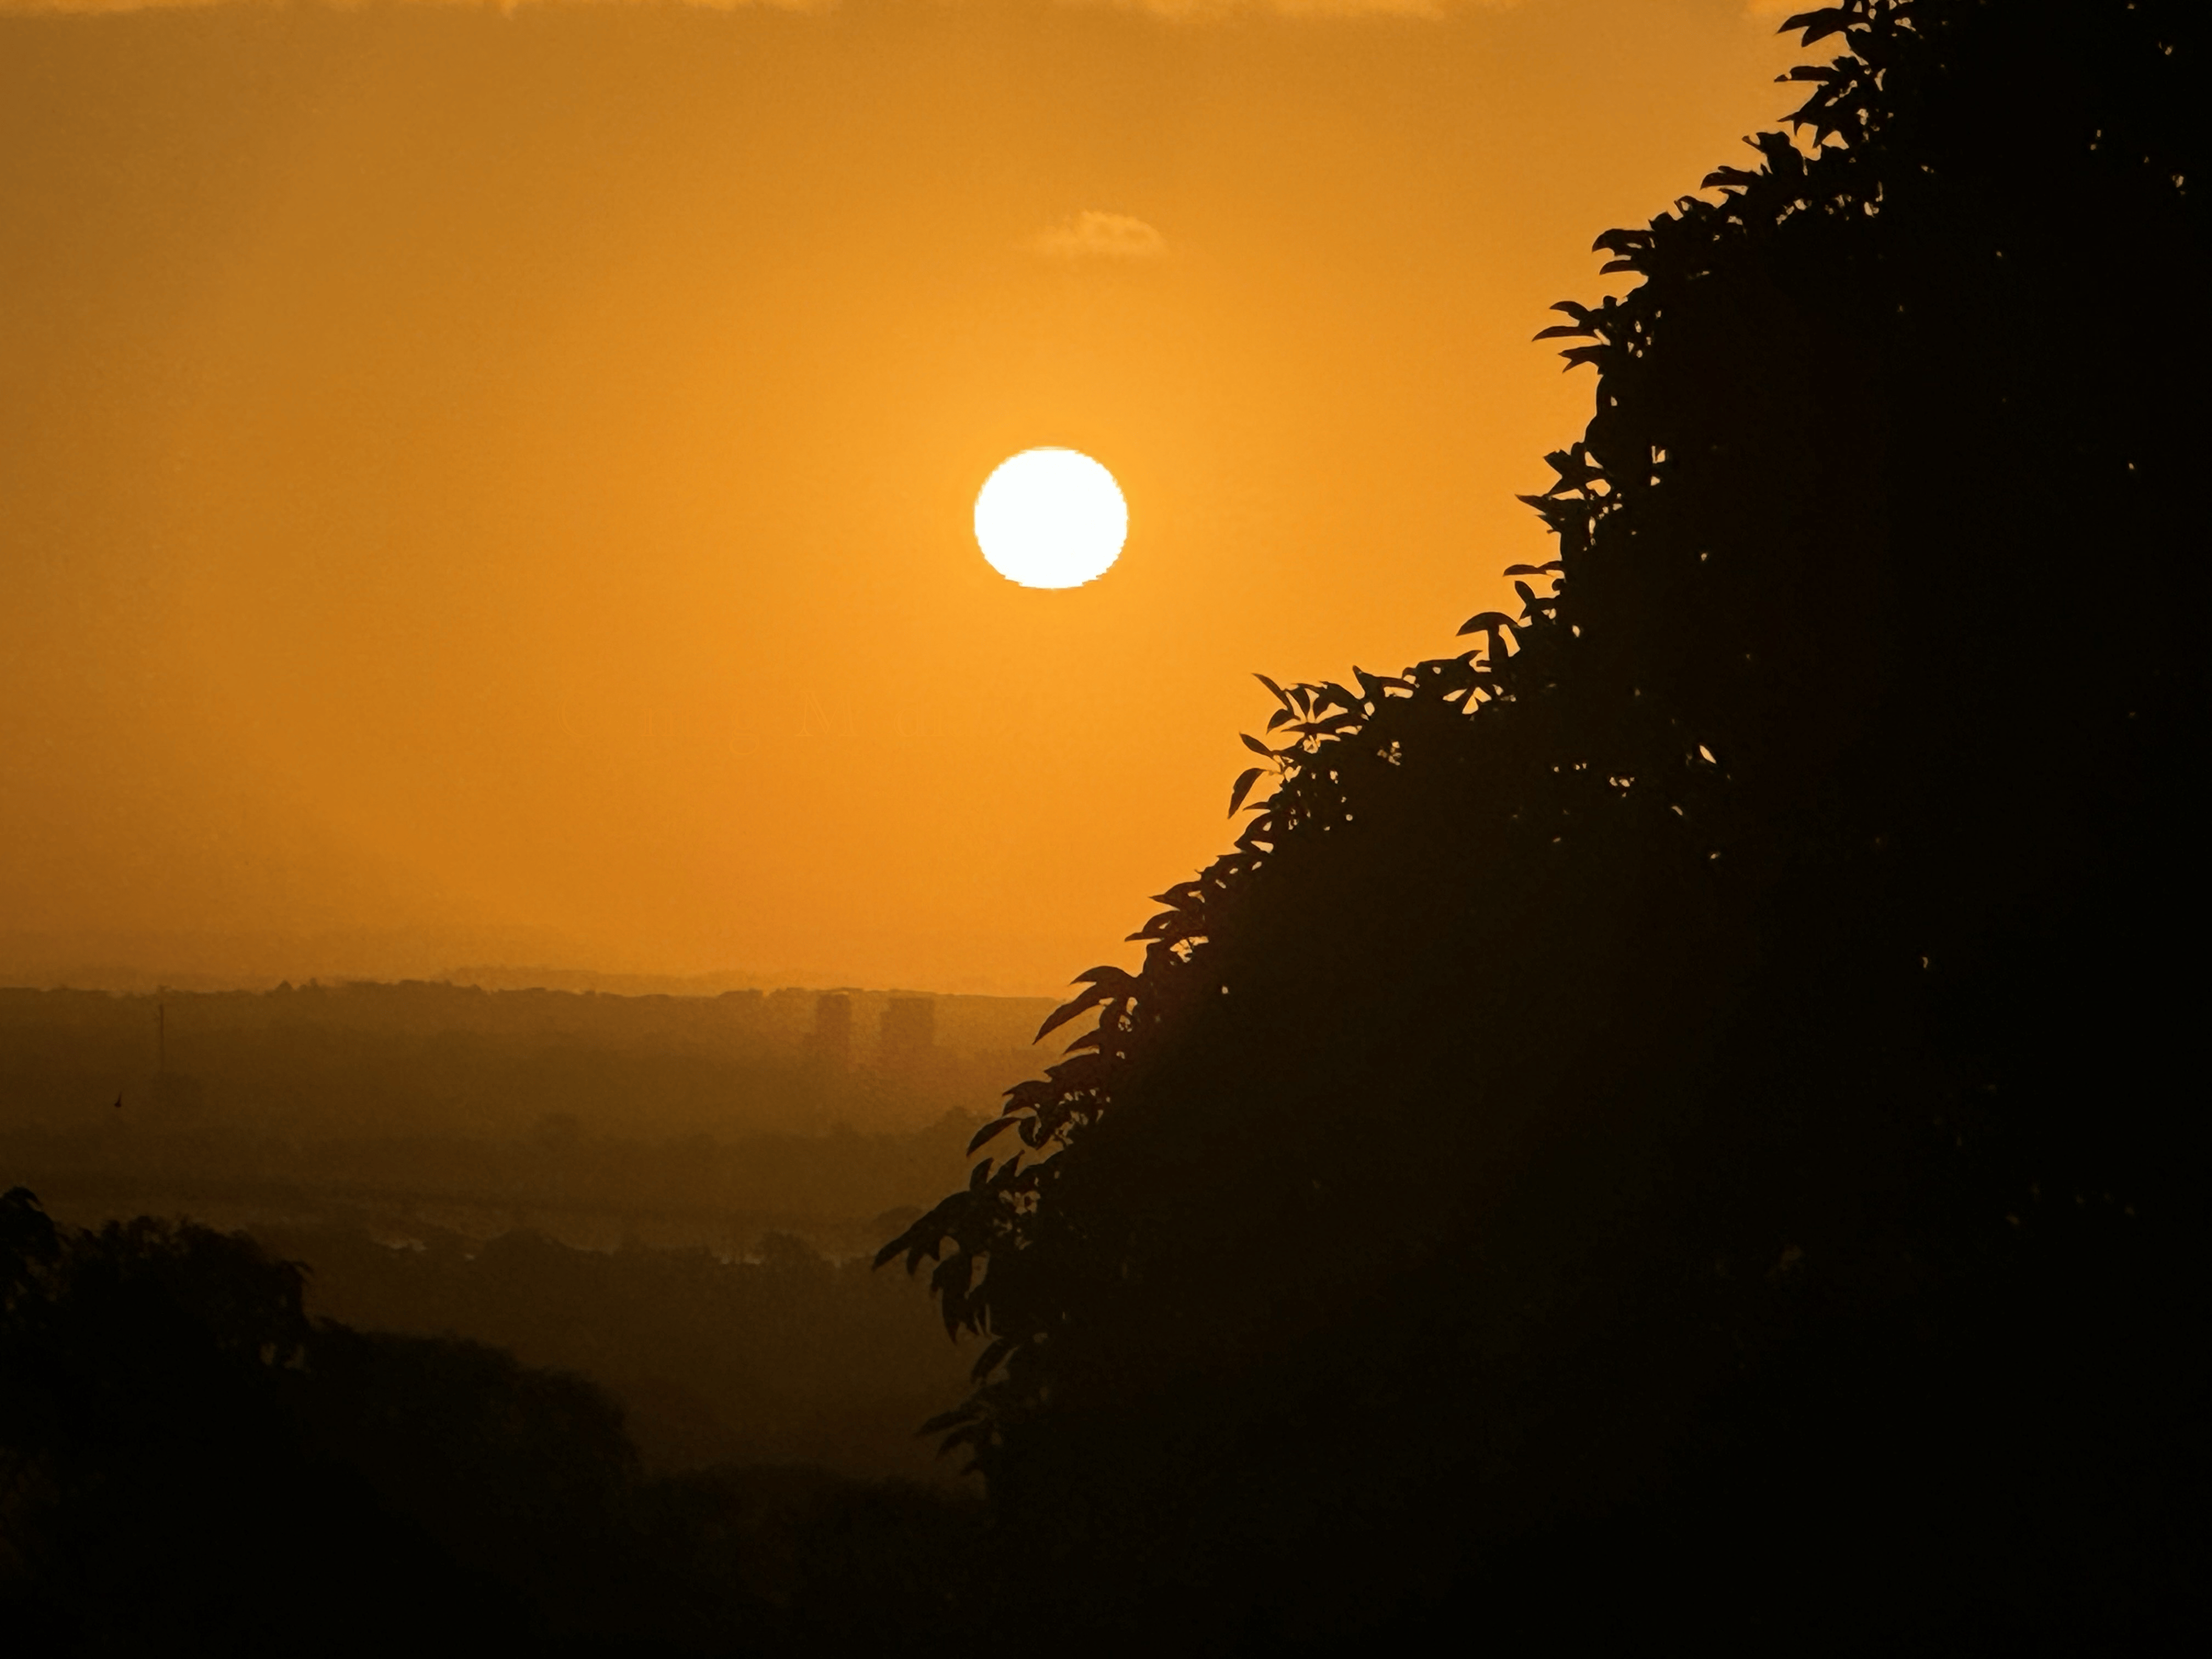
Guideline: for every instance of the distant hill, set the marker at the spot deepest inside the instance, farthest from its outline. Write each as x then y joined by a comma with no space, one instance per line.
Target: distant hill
590,1116
502,976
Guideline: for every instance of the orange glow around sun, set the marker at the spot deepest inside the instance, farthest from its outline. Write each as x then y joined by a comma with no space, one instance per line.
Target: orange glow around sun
486,483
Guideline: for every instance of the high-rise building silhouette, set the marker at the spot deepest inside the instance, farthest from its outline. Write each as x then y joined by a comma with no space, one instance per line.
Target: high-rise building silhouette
908,1035
831,1040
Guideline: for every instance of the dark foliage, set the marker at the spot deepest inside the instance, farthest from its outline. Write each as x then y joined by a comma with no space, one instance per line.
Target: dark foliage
159,1490
189,1464
1683,1117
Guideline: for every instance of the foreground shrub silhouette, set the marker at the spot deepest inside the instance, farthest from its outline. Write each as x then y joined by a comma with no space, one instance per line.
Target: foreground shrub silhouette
189,1464
156,1490
1682,1117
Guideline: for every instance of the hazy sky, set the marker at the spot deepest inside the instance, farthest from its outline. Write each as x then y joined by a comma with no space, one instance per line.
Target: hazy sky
483,481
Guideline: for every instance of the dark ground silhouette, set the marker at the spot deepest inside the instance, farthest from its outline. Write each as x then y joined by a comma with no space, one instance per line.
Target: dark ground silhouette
1679,1124
189,1463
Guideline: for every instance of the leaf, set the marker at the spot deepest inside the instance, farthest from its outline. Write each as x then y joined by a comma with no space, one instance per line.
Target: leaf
988,1361
950,1280
1280,696
1257,746
1075,1074
925,1238
1278,718
1072,1010
1486,621
1374,684
1260,831
1029,1094
991,1130
1106,974
1818,24
958,1416
1243,787
1108,984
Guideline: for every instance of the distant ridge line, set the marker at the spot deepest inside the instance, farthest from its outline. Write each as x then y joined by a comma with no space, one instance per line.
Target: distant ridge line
503,977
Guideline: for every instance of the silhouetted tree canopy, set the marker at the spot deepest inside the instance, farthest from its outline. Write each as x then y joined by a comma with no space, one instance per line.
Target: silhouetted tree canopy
188,1464
1685,1111
157,1491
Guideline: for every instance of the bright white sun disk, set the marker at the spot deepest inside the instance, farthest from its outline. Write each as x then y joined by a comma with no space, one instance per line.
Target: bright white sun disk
1051,518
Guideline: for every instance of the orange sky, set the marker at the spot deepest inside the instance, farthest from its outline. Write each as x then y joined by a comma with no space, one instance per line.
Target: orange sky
482,484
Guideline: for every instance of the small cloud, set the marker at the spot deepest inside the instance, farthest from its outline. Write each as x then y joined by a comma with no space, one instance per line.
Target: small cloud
1094,235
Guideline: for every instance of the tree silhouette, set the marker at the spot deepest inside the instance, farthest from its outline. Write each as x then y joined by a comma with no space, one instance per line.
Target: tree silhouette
189,1464
1701,1077
157,1492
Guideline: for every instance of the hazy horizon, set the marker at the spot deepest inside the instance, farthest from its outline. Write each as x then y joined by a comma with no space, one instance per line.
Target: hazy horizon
123,963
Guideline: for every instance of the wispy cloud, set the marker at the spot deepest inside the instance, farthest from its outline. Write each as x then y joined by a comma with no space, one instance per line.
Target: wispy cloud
1094,235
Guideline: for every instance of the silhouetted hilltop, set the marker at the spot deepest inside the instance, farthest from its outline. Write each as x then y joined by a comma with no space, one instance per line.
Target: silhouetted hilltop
189,1463
1682,1118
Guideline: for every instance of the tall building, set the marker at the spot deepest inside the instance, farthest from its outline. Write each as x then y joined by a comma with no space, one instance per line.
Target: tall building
910,1033
831,1040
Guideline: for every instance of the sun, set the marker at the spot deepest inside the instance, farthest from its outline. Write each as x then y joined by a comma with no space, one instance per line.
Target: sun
1051,518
